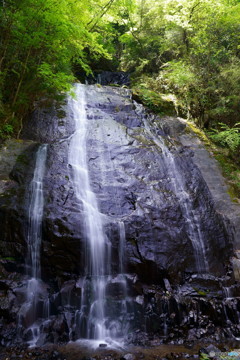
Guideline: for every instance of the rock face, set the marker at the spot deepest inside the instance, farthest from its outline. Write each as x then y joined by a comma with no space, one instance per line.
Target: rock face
151,185
14,179
110,78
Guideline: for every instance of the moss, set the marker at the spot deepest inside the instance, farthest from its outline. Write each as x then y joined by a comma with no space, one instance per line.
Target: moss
201,292
230,171
204,356
61,114
197,131
225,356
156,102
22,159
229,168
143,140
232,191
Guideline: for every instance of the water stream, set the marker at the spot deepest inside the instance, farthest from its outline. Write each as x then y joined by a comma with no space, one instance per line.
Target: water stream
34,234
184,199
92,314
34,306
100,317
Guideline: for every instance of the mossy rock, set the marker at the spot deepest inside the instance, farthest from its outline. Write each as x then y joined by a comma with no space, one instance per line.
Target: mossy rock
198,132
158,103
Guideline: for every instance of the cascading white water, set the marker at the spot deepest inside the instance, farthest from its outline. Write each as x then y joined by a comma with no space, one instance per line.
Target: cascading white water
185,202
35,214
29,311
122,238
92,317
101,317
193,223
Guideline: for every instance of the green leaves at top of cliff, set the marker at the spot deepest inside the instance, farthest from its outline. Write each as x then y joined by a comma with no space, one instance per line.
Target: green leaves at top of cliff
40,40
186,51
189,49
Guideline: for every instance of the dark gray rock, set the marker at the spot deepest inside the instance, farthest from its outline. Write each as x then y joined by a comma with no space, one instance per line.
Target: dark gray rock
211,172
109,77
128,357
210,350
148,183
14,202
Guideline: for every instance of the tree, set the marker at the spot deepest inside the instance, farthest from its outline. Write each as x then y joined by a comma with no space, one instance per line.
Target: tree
189,49
41,39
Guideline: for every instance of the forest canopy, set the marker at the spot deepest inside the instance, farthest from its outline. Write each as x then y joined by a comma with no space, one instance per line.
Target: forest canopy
184,51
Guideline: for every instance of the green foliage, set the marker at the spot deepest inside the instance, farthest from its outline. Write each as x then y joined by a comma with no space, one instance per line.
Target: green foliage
226,152
53,80
204,356
159,103
9,258
230,171
179,74
190,49
227,136
182,53
6,131
40,41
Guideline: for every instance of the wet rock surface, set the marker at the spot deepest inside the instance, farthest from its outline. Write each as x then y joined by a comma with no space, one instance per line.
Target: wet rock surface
14,203
109,77
168,299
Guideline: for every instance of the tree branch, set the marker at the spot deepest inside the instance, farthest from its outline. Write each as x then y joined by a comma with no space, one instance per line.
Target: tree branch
105,9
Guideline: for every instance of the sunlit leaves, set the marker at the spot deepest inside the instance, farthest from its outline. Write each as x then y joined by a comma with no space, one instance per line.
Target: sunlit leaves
189,48
227,136
40,41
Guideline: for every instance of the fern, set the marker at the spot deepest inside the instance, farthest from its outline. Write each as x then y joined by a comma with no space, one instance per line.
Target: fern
227,137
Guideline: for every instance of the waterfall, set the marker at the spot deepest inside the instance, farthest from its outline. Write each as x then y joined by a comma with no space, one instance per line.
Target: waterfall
35,214
100,317
130,232
31,308
183,196
92,317
193,224
122,238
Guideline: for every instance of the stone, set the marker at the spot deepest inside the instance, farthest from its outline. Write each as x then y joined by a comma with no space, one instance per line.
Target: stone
210,350
236,268
109,78
128,357
161,226
167,285
129,154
